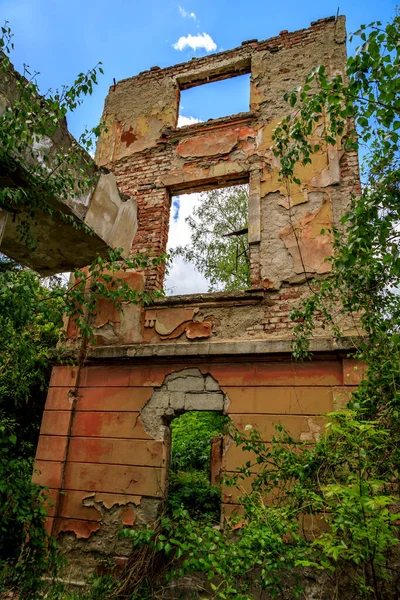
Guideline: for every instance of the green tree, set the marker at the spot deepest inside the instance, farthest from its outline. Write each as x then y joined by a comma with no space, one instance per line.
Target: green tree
218,247
30,323
191,435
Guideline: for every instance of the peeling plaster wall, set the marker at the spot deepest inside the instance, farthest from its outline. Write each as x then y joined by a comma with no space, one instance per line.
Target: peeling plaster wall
151,158
262,315
104,440
104,445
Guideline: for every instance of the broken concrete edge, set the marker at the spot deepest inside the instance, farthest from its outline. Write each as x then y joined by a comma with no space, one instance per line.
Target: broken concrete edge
110,221
101,537
119,230
182,391
60,140
222,348
107,218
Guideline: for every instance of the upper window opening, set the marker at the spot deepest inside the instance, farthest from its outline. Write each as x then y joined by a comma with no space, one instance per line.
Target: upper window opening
214,100
208,243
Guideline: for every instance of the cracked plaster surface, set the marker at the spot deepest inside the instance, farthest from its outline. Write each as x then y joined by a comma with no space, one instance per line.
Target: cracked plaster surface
181,391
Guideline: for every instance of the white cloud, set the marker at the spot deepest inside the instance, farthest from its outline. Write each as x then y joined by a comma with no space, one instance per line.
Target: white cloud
186,14
196,42
183,278
179,232
182,120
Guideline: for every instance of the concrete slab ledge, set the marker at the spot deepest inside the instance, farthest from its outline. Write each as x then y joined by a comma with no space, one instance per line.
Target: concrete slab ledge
220,348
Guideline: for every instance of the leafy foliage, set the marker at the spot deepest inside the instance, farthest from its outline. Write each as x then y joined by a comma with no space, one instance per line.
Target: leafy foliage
30,322
221,257
25,124
31,310
189,484
343,485
232,560
194,492
330,514
191,435
26,551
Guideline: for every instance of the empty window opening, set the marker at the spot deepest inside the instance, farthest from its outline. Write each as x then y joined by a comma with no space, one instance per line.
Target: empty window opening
196,451
214,100
208,242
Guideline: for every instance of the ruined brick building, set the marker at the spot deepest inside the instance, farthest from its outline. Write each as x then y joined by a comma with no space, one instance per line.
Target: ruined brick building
104,443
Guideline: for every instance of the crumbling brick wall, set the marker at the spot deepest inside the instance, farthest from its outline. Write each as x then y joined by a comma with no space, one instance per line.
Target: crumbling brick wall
104,444
152,158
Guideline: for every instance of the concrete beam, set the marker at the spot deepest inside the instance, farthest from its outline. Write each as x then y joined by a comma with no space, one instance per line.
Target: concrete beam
111,216
223,348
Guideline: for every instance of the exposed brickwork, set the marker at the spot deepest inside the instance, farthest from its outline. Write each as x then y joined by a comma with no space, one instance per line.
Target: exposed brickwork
228,352
152,159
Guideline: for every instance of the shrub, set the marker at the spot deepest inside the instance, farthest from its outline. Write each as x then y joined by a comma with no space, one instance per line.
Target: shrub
194,492
26,551
191,435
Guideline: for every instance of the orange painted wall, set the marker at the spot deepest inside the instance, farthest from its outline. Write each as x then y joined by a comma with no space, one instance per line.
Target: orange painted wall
92,440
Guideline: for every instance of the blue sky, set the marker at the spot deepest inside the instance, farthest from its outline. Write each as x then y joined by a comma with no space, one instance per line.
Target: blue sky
60,38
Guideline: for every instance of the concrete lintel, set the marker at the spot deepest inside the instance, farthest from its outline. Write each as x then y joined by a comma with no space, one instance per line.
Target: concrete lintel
223,70
227,348
234,298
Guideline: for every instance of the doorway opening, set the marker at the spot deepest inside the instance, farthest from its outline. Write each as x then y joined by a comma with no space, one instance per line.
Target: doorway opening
196,456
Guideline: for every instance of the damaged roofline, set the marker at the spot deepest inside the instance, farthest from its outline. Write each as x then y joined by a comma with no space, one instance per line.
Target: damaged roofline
261,45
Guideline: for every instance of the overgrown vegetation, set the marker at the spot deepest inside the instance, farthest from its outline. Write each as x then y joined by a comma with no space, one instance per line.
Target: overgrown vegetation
218,245
31,310
326,515
189,484
30,322
26,551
